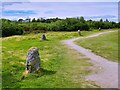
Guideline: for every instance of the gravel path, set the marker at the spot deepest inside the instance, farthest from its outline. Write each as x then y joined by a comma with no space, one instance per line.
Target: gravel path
105,72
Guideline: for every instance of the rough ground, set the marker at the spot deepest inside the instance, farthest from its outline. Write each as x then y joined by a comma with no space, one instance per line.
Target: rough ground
105,72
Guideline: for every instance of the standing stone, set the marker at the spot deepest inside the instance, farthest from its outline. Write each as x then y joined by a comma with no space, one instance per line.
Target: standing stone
32,60
43,37
99,28
79,32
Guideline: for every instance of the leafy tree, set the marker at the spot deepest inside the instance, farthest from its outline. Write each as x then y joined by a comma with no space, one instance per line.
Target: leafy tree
20,20
11,28
38,20
101,20
82,19
53,24
106,20
33,20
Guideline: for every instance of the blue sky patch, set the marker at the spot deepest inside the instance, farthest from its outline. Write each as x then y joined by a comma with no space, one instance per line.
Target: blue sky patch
17,12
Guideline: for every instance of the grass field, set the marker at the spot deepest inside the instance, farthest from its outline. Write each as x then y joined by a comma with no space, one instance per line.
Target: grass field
104,45
62,66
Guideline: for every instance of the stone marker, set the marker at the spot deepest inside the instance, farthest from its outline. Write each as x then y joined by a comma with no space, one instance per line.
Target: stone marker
79,32
99,28
33,60
43,37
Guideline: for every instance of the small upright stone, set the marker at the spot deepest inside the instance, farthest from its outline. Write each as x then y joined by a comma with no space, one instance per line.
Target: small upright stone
99,29
79,32
32,60
43,37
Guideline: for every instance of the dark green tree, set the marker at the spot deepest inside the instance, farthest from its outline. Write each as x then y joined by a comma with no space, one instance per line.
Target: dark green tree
20,20
33,20
38,20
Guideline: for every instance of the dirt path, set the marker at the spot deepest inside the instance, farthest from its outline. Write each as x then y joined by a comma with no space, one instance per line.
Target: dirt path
105,72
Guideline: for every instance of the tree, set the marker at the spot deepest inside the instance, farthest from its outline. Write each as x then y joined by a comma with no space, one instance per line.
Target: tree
82,19
11,28
20,20
28,19
42,20
101,20
38,20
33,20
106,20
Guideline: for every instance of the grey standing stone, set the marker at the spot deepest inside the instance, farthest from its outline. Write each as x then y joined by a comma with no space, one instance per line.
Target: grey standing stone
99,29
43,37
33,60
79,32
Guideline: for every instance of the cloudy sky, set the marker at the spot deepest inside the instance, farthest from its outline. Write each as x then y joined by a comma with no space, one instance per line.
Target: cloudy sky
89,10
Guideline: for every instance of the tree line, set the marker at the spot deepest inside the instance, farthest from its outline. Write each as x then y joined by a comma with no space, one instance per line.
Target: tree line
21,26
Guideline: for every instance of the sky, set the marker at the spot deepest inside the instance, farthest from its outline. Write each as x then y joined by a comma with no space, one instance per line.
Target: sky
60,0
89,10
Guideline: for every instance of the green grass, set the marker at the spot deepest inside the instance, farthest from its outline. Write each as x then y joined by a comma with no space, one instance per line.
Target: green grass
105,45
62,66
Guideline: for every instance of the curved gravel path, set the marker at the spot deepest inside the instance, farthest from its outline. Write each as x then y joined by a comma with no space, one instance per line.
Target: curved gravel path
105,72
